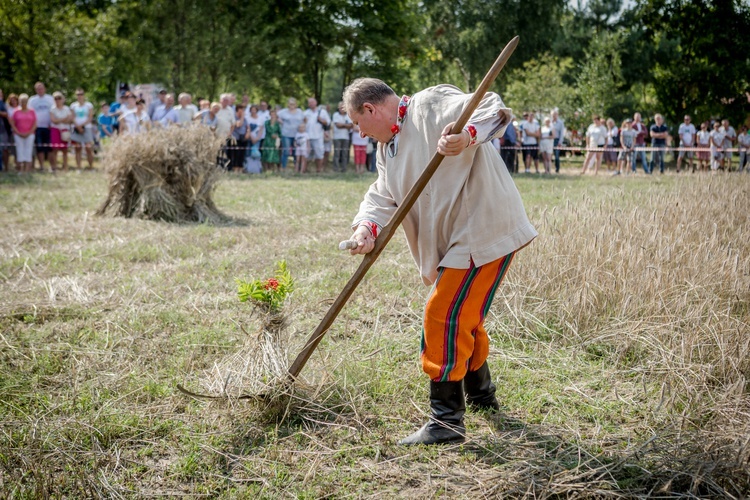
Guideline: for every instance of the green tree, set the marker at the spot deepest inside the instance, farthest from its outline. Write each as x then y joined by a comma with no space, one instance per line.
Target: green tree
54,42
700,64
540,86
23,24
470,35
600,75
346,39
384,39
301,34
580,21
202,47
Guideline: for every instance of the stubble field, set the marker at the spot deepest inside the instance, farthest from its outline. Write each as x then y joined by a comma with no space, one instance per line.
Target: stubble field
620,347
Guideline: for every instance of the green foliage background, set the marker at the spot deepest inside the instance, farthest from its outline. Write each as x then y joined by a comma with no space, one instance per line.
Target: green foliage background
599,56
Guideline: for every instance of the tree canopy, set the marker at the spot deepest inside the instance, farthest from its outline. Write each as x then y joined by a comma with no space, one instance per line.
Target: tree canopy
668,56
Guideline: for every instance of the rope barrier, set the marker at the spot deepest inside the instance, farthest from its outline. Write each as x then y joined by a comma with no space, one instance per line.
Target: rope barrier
70,144
517,148
619,149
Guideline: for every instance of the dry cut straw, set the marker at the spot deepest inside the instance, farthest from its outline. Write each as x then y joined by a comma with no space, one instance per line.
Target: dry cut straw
259,367
166,174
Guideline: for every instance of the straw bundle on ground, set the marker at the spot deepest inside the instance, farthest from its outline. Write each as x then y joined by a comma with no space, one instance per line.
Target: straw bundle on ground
258,367
165,174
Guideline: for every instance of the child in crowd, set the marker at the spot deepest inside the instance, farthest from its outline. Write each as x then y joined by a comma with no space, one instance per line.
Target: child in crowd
144,121
546,144
60,119
627,143
611,155
105,122
302,148
704,141
360,150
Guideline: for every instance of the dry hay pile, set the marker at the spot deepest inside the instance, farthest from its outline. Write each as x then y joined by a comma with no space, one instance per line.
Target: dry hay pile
166,174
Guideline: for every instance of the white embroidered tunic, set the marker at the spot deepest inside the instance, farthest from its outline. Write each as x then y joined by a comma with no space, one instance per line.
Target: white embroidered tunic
470,211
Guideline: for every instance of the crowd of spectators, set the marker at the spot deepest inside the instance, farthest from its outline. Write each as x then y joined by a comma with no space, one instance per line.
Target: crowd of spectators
260,137
257,137
711,147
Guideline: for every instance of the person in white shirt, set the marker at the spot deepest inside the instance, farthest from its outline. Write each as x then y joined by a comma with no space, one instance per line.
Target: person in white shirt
317,121
129,116
687,141
42,103
717,147
462,232
531,133
141,112
743,140
265,114
257,130
186,110
596,139
264,111
546,145
703,137
83,131
225,117
730,137
342,127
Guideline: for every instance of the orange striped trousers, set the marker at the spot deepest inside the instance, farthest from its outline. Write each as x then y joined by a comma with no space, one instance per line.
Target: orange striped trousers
453,336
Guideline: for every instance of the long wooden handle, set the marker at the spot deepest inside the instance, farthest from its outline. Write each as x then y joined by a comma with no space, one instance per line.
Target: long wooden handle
390,229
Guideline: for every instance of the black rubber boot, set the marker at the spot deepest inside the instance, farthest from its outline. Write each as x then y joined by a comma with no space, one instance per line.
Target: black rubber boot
446,425
480,391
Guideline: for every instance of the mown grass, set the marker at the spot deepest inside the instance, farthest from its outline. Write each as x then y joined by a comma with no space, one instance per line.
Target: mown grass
620,347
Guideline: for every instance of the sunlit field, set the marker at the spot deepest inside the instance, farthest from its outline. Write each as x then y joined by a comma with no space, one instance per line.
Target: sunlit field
620,346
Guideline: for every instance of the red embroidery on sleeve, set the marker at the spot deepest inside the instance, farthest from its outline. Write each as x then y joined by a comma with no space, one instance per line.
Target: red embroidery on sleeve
372,227
472,133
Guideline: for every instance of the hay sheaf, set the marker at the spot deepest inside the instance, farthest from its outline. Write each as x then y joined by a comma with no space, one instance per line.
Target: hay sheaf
166,174
256,373
259,366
